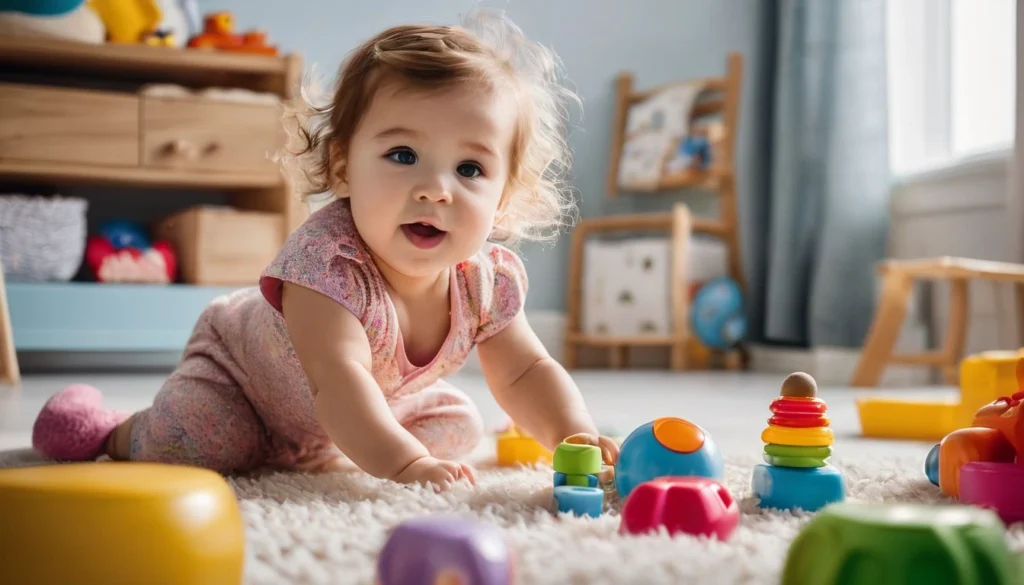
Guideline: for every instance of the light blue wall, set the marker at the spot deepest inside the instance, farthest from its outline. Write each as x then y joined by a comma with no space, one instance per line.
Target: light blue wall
658,40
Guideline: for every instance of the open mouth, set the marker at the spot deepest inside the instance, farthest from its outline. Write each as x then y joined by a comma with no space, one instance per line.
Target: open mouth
423,235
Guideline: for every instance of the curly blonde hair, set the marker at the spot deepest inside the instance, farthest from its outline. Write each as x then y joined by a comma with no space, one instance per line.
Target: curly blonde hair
488,49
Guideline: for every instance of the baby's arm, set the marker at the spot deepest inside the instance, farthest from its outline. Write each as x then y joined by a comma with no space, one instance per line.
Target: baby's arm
529,385
332,346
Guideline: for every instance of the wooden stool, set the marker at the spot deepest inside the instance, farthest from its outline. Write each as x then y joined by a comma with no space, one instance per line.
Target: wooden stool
898,282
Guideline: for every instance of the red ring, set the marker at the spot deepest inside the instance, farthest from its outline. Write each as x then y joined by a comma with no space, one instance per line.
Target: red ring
799,421
788,405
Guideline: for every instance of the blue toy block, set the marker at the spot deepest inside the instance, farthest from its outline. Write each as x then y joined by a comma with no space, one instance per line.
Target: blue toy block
580,501
931,465
804,488
562,479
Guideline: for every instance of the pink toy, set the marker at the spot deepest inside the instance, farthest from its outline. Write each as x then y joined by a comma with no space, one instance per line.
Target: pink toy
997,486
698,506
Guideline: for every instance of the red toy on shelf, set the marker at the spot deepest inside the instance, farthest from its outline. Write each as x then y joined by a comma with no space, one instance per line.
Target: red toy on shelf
219,34
122,253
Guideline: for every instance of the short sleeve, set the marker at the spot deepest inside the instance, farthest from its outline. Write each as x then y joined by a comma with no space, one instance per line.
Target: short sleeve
505,295
324,254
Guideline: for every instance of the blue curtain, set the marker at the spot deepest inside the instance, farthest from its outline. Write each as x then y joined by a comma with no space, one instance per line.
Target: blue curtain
823,226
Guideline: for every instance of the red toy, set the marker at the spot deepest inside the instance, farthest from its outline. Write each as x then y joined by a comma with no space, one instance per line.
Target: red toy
155,265
219,33
996,435
698,506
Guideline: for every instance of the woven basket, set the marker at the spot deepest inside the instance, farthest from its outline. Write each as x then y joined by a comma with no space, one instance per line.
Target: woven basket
42,239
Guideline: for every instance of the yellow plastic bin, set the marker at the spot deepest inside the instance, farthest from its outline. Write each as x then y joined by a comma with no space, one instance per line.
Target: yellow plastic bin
888,418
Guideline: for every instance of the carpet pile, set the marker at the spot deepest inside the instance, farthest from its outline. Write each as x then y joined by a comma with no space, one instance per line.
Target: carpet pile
328,528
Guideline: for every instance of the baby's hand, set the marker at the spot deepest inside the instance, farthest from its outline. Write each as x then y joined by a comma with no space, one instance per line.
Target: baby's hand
428,470
609,448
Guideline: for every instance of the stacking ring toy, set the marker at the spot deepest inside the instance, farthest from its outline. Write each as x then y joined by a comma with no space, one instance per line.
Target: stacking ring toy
800,420
794,405
816,437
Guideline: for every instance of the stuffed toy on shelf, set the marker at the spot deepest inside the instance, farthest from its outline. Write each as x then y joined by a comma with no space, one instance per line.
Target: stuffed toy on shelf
122,253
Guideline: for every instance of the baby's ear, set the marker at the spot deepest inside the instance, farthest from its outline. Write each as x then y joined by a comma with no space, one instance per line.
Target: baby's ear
338,172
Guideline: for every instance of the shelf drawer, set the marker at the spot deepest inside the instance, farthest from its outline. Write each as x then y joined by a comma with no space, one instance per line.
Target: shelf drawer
197,134
58,125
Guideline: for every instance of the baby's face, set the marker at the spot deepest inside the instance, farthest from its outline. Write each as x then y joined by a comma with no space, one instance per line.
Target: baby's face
425,175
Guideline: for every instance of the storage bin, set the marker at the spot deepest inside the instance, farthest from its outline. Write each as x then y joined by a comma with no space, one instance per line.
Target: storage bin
221,246
42,239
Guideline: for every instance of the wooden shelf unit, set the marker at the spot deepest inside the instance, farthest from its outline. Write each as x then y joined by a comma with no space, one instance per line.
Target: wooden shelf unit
191,67
679,224
230,165
718,177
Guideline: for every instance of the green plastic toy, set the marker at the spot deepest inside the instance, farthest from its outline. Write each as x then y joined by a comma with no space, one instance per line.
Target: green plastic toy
901,544
574,459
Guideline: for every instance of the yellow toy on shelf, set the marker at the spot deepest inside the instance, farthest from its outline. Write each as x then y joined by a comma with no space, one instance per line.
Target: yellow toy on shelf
984,377
115,522
128,21
516,447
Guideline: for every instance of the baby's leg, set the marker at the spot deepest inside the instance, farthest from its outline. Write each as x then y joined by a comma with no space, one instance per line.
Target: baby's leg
442,418
200,417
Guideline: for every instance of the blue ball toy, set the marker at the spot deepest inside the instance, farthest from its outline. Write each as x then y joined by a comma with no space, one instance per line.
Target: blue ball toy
789,488
718,317
666,447
40,7
931,465
125,234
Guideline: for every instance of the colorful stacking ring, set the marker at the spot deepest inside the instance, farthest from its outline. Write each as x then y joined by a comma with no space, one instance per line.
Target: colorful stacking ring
811,437
799,420
793,461
796,405
797,451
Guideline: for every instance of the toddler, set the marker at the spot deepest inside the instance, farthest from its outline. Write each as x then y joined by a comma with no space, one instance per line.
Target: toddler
436,142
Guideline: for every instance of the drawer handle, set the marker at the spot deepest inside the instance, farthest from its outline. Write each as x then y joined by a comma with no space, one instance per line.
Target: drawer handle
182,147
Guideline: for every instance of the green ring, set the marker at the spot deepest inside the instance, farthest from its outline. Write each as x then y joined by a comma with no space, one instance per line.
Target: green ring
793,461
573,459
797,451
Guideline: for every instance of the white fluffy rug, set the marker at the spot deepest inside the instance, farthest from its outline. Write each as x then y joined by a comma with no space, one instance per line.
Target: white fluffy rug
328,528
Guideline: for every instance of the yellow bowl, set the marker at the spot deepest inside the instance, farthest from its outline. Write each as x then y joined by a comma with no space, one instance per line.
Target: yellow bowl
113,522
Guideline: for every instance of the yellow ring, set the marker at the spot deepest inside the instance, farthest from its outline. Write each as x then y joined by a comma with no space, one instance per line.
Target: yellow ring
806,437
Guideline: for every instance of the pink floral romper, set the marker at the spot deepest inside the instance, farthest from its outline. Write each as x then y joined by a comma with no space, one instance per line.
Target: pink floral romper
240,400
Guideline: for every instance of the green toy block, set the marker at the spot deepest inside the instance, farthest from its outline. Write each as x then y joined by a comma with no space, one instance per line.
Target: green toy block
901,544
573,459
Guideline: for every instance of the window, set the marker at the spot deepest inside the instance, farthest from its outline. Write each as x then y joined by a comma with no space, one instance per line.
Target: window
951,76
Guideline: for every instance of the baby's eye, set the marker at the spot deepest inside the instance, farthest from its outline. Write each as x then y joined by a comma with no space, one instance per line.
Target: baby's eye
470,170
403,156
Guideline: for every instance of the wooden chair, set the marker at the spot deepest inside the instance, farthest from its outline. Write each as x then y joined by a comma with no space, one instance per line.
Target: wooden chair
10,373
720,97
898,281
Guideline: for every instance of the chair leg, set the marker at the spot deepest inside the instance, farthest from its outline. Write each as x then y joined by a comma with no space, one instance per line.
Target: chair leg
1018,288
10,371
885,329
956,332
